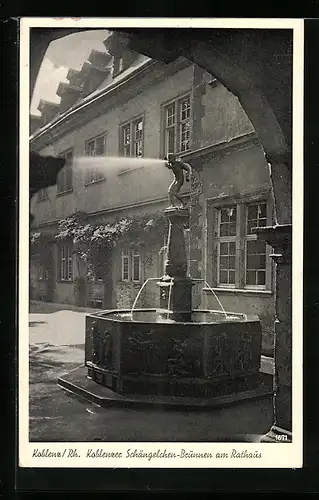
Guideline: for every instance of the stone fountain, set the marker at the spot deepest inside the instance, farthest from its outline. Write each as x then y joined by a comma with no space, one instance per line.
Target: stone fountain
172,356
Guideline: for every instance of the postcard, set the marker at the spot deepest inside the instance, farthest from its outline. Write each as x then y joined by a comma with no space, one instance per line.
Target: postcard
160,243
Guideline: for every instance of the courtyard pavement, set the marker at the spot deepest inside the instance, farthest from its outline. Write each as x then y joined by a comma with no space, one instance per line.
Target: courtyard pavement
56,346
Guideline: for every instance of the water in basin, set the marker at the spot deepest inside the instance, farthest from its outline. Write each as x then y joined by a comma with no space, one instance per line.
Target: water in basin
158,316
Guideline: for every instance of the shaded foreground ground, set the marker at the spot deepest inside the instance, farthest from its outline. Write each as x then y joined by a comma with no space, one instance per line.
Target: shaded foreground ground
57,346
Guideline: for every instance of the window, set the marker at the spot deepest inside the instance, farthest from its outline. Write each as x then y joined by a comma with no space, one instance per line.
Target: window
64,179
136,266
256,216
95,147
131,266
117,65
239,260
43,272
65,263
43,194
213,82
227,245
131,141
125,266
177,124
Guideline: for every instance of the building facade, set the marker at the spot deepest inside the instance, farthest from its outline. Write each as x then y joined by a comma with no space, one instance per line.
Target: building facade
123,105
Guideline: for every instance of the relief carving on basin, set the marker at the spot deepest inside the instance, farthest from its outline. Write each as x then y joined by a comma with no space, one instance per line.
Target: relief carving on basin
172,358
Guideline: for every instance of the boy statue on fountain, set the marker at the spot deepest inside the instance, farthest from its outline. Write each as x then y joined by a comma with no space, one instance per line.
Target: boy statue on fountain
178,167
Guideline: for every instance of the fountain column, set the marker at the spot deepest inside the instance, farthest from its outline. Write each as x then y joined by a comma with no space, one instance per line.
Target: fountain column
176,286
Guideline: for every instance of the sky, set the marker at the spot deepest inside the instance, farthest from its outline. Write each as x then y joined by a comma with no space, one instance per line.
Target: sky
62,54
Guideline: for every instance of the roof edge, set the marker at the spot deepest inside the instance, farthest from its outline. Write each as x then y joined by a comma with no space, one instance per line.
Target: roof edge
80,106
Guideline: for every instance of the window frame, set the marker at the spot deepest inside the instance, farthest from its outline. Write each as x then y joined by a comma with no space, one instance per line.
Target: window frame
125,256
118,65
131,125
42,194
213,240
177,125
253,237
43,272
69,263
225,239
128,255
62,187
134,254
89,178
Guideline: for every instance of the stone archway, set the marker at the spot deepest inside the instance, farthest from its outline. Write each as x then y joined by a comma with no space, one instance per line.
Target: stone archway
256,66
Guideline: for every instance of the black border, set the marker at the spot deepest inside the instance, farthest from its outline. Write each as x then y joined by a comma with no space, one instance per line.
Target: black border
9,168
311,264
187,480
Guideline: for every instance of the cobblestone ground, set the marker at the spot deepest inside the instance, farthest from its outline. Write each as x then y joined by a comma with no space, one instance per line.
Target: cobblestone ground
56,346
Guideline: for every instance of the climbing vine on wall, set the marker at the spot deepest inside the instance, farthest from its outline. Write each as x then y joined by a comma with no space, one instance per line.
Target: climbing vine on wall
35,237
40,242
92,242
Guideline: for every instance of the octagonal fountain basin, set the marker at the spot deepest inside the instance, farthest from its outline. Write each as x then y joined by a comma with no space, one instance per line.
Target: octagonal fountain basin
145,353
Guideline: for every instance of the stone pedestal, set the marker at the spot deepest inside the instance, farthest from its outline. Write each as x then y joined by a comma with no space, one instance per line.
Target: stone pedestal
279,237
176,297
176,259
176,286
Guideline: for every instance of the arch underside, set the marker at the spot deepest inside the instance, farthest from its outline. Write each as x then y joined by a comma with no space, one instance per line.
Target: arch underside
255,65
